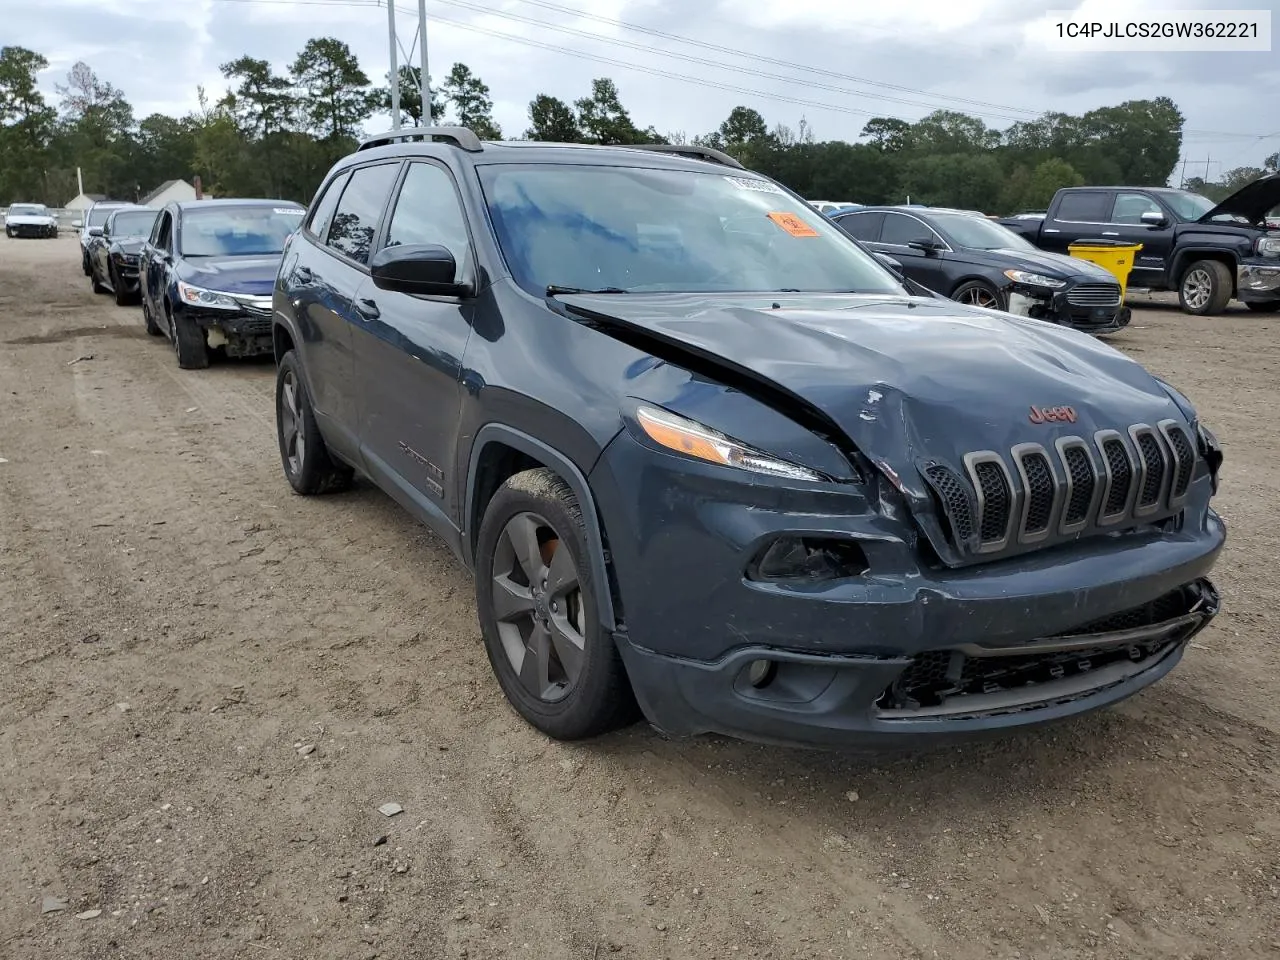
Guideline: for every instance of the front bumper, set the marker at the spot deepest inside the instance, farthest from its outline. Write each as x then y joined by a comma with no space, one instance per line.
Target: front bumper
1056,307
681,535
243,333
31,231
1258,280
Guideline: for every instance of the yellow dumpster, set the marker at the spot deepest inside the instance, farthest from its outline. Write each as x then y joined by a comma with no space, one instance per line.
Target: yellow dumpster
1115,258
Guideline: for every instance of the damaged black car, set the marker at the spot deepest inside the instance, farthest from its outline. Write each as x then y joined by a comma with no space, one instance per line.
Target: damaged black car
207,271
709,458
114,253
973,260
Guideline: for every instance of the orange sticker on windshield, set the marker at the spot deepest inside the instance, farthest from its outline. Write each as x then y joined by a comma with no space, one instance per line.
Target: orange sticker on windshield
793,224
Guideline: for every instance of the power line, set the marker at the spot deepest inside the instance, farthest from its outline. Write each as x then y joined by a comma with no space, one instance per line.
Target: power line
464,25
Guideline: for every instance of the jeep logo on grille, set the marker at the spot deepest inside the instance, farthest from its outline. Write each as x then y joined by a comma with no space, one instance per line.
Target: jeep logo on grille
1052,415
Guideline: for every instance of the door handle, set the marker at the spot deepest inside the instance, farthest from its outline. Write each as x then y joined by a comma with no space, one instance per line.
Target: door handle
368,309
1111,233
1051,230
304,274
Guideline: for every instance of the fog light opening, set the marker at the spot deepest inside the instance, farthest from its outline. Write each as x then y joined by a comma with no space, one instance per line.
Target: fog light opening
761,673
811,559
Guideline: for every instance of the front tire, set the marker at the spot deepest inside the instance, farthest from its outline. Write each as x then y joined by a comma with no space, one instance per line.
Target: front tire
536,596
153,328
117,287
976,293
84,263
1205,289
189,343
307,464
93,279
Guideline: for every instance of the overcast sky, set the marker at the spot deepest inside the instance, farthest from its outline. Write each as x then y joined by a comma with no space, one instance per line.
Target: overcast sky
970,55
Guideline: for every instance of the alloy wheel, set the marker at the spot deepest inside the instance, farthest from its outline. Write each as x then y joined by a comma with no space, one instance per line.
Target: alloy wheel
1197,288
537,602
295,443
979,297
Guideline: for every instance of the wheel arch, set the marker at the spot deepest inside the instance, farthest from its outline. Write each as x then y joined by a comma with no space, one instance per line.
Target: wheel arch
1186,257
499,452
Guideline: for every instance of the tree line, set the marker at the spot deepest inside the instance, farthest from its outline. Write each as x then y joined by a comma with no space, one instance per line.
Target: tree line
274,134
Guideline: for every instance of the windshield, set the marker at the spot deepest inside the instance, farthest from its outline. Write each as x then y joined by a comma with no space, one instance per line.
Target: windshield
98,216
1188,206
238,231
27,210
642,230
979,233
134,224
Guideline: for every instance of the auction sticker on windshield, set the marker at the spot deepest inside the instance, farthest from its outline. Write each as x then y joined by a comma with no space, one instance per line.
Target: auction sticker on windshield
751,183
290,211
792,224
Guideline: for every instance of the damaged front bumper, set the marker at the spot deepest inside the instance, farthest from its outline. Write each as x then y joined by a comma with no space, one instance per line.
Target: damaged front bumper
890,649
1258,280
240,333
1056,307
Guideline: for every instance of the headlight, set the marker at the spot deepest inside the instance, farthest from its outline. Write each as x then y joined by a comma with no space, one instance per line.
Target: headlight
199,297
1033,279
695,440
1268,246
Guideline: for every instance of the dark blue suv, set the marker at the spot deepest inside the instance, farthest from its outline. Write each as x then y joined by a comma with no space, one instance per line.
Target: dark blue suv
707,456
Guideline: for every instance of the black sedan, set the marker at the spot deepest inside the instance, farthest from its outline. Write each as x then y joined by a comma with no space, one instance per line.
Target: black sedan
113,254
207,274
974,260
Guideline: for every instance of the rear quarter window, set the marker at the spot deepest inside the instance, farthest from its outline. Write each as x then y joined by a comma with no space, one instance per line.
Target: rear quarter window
1084,206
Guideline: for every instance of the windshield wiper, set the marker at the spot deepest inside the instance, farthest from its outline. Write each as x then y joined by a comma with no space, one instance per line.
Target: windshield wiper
553,289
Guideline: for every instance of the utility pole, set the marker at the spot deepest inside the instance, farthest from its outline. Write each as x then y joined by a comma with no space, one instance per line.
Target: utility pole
1182,180
427,120
395,68
1207,160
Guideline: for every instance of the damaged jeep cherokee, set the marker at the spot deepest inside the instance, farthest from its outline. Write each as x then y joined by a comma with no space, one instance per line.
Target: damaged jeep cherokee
708,457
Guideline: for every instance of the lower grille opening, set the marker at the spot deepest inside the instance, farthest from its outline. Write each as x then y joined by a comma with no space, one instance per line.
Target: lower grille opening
955,682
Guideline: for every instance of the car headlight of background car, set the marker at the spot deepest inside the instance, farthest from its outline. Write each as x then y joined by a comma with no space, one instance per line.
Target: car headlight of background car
200,297
703,443
1033,279
1268,246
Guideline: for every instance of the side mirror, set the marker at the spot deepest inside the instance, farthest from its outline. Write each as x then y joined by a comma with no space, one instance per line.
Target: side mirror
425,269
894,265
95,231
77,224
1153,219
927,244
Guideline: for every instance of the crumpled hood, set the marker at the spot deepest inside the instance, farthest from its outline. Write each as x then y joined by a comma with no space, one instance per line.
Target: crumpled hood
1056,265
906,379
131,246
254,276
1253,201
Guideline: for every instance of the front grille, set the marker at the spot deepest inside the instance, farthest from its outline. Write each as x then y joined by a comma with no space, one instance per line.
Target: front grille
1121,470
255,328
1083,482
970,679
1080,484
951,492
997,501
1094,295
1040,492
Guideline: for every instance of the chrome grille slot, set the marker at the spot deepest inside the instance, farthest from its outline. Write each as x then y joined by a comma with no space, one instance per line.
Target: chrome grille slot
1119,482
1039,491
994,487
1094,295
1184,460
1082,483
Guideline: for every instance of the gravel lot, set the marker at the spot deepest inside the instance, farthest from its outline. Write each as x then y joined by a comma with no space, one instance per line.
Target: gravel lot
178,630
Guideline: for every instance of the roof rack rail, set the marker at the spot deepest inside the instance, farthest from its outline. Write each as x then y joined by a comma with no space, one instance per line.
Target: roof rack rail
458,136
690,150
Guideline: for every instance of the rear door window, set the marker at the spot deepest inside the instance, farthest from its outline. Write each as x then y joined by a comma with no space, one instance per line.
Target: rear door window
862,226
1085,206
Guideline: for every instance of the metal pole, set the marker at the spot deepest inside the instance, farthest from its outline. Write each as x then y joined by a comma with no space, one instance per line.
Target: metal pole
425,79
395,68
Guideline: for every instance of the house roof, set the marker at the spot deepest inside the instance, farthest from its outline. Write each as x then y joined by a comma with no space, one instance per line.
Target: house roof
160,189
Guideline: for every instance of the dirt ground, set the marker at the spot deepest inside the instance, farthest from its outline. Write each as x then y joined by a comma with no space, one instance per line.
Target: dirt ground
177,628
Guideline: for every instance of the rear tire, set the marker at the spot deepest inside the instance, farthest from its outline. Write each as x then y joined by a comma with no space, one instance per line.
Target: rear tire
536,597
307,464
1205,288
976,293
189,343
1271,306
